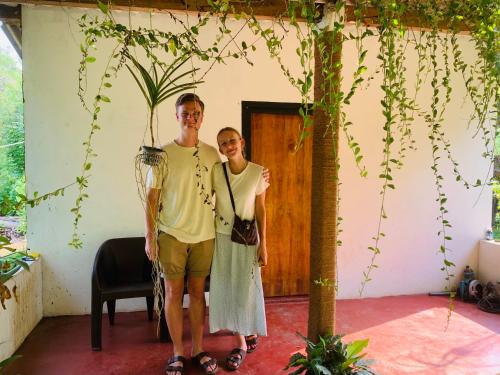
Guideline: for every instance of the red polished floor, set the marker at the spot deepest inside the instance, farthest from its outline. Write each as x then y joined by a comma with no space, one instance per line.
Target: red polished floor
407,336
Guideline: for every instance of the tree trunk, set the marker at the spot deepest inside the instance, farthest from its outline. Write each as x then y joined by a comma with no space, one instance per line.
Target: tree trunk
324,203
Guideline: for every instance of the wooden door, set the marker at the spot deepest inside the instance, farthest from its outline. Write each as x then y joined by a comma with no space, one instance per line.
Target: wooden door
288,200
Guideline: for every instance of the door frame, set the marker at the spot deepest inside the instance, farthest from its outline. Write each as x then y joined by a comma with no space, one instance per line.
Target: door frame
249,107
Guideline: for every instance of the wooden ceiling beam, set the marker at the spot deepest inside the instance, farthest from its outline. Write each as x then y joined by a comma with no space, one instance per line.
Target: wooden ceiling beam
10,14
261,8
370,18
267,8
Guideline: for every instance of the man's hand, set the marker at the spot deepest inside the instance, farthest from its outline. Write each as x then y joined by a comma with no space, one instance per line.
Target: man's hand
151,248
262,254
266,175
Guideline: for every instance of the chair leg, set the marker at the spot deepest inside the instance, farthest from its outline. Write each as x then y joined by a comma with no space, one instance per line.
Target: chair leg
111,310
149,303
164,332
96,323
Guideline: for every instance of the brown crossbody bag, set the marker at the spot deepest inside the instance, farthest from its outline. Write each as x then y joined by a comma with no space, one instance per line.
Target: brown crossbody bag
244,231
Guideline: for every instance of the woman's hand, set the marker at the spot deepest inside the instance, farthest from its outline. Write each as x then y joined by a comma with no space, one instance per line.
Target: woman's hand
262,254
266,174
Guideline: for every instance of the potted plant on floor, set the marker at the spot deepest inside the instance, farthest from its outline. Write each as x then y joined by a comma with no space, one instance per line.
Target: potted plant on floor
330,356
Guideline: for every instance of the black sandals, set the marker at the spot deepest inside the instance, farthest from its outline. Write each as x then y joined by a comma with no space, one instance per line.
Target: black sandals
251,343
235,359
170,369
209,367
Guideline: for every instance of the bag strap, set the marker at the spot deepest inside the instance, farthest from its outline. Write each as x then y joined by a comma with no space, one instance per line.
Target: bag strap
229,186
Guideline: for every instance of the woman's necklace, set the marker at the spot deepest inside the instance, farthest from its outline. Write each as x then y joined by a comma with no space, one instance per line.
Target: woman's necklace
239,170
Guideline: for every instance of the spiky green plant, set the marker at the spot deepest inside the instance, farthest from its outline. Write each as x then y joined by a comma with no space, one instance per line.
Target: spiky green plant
157,87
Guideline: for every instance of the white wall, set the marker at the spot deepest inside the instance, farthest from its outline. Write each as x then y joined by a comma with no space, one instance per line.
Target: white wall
56,126
410,262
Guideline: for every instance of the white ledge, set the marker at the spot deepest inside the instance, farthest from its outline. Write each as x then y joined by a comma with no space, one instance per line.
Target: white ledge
21,316
489,261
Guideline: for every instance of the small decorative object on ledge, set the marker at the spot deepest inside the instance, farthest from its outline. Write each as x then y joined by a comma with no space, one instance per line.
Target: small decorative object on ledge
489,234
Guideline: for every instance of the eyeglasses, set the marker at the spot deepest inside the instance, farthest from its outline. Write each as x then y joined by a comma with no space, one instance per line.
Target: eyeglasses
195,115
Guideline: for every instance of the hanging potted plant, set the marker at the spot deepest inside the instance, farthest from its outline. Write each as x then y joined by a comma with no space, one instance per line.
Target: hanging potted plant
162,83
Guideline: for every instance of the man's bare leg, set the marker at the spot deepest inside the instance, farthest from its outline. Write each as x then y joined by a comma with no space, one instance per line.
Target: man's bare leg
196,289
174,291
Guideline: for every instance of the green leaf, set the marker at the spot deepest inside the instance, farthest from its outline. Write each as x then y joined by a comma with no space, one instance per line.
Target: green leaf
105,99
356,347
448,263
176,90
322,369
90,59
143,90
22,264
172,46
103,7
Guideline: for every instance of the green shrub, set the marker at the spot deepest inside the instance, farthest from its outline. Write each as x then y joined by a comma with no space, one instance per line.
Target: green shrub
330,356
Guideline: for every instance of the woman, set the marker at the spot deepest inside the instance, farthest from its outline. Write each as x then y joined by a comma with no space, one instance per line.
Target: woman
236,296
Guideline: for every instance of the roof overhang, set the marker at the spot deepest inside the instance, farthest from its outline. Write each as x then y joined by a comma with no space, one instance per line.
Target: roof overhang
10,16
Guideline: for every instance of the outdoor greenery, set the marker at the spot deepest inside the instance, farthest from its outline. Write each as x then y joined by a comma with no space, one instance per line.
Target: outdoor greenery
495,225
11,135
496,222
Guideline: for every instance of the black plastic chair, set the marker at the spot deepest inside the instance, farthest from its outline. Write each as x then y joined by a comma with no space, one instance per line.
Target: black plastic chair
121,270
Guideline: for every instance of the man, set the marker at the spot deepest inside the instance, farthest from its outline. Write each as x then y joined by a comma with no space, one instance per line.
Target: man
185,243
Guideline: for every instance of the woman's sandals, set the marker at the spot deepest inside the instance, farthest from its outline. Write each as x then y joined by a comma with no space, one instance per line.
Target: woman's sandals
170,369
209,366
251,343
235,359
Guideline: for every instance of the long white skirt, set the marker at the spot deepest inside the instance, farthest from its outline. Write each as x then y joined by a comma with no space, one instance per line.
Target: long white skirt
236,295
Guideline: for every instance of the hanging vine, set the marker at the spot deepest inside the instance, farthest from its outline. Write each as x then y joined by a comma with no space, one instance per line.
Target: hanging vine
400,103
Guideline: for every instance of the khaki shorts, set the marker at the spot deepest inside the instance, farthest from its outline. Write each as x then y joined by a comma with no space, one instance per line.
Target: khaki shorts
177,257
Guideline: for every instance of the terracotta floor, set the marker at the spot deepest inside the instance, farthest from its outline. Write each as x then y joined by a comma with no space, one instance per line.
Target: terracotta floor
407,336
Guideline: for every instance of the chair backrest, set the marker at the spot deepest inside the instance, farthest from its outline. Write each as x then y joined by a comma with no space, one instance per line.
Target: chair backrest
122,261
